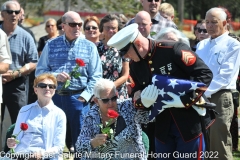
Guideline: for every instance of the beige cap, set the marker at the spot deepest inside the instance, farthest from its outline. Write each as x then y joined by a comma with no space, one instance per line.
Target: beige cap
125,36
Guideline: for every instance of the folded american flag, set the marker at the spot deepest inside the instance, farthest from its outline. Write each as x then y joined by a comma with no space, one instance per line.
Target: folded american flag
169,84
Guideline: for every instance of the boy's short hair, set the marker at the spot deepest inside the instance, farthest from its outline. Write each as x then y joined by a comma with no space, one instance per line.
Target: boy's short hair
167,8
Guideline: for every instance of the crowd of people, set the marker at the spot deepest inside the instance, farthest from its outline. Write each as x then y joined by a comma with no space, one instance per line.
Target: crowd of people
90,84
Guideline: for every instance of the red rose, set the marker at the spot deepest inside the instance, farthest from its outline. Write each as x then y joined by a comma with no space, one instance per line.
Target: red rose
112,114
80,62
24,126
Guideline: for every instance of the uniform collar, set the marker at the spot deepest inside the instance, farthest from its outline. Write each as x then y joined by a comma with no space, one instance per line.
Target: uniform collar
151,49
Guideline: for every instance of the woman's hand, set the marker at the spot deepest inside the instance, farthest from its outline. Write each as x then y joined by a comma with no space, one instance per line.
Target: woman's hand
11,142
99,140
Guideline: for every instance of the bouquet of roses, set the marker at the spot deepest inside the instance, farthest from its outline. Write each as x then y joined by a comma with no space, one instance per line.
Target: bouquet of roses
107,129
74,73
24,127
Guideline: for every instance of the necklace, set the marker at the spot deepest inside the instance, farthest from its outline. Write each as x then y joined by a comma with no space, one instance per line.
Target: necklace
115,124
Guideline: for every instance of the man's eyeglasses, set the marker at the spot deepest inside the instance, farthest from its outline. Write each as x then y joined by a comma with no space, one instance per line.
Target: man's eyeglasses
202,30
124,50
91,27
106,100
44,85
48,26
12,11
74,24
152,0
108,28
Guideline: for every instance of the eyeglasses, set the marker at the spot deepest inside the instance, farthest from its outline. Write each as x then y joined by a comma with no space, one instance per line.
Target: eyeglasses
44,85
74,24
12,11
124,50
106,100
202,30
108,28
48,26
152,0
91,27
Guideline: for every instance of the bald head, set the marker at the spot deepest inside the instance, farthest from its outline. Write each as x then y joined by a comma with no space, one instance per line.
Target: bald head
143,19
70,15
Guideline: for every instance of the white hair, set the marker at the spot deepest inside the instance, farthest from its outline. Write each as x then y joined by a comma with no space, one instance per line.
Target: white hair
221,13
101,85
5,4
182,38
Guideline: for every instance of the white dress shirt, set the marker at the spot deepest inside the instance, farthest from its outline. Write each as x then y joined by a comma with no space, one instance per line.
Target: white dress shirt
46,130
222,56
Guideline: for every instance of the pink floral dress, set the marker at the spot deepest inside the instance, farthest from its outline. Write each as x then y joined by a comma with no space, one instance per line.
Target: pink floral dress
112,66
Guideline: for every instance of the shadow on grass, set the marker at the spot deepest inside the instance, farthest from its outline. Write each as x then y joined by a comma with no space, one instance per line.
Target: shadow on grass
236,155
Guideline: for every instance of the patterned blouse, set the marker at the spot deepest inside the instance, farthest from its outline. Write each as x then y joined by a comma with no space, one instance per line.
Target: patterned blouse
112,66
129,140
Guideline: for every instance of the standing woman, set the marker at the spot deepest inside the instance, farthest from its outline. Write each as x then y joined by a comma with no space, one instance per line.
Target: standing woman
52,32
114,66
91,29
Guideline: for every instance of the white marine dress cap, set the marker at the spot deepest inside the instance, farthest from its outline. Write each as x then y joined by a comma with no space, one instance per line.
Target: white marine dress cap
125,36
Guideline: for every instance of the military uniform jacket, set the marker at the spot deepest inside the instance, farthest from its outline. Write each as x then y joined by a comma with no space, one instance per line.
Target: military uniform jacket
177,60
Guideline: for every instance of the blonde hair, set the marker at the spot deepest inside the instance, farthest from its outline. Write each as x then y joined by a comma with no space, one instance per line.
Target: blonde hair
43,76
167,8
51,19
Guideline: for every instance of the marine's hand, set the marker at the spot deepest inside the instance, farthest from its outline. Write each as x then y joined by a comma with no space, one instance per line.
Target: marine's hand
175,102
149,95
201,111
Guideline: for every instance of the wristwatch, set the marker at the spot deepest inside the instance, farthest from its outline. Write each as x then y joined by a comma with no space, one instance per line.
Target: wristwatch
19,73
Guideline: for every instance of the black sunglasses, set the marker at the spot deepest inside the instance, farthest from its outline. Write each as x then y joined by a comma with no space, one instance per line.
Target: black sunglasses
91,27
44,85
74,24
12,11
152,0
59,27
202,30
195,28
106,100
124,50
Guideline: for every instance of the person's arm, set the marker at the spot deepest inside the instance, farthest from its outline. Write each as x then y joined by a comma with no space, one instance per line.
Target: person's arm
94,73
124,75
83,143
5,54
228,70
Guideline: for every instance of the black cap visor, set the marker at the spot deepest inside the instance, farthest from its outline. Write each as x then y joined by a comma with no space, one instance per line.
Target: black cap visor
124,50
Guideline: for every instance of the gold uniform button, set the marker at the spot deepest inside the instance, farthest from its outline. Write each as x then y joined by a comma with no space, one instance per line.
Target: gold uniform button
168,73
159,44
136,104
197,94
187,104
149,54
193,100
143,82
140,105
152,69
150,62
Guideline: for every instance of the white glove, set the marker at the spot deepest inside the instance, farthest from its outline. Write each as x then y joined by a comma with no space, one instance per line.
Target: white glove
149,95
176,102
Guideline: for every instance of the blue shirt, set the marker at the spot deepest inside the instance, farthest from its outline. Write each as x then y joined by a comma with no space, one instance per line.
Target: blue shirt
22,47
46,130
59,55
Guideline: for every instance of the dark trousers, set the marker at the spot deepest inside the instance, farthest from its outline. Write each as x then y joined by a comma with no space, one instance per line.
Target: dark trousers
175,147
32,97
15,96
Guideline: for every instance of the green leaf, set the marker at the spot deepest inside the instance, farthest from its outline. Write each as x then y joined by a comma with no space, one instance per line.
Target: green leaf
67,83
106,130
152,33
17,141
76,75
13,136
100,125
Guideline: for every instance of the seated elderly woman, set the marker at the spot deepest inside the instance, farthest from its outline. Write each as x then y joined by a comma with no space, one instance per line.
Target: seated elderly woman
45,136
126,129
172,34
